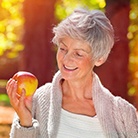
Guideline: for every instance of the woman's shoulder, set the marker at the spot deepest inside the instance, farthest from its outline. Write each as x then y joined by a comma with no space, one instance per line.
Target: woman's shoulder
43,91
122,102
41,100
125,113
123,105
46,89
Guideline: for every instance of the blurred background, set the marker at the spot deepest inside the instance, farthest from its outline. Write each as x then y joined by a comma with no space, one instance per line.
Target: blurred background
25,44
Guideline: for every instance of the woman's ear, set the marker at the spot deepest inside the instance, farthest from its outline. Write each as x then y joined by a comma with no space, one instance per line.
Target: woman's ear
100,61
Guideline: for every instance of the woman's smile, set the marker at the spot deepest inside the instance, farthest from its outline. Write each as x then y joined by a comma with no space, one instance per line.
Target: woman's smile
70,68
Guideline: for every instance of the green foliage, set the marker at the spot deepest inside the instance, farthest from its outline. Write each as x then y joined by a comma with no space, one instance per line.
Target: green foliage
65,7
11,22
4,99
133,58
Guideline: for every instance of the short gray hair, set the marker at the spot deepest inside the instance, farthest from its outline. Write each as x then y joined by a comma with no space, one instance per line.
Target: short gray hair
93,27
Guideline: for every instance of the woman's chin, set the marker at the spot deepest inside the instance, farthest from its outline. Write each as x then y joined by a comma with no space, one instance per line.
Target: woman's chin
68,76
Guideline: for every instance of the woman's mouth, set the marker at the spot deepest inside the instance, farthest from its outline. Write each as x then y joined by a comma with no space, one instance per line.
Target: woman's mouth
69,68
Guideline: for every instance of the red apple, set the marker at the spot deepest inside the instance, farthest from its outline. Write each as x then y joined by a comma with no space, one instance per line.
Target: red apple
26,80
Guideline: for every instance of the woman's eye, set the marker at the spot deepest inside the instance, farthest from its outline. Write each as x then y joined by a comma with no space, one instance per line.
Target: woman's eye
78,54
62,49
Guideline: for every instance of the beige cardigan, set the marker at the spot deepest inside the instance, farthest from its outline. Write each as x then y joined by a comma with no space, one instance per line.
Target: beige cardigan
117,116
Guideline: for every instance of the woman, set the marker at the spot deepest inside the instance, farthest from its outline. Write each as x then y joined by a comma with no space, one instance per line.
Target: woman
75,104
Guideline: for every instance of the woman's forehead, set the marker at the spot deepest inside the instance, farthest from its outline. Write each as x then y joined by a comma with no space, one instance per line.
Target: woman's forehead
74,43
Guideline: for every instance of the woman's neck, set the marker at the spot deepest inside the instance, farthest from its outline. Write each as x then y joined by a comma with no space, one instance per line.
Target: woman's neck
81,89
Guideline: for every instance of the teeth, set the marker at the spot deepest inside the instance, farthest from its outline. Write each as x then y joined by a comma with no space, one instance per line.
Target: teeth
70,68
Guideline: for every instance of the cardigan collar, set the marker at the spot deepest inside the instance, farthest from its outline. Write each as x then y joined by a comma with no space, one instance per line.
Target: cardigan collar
55,105
102,101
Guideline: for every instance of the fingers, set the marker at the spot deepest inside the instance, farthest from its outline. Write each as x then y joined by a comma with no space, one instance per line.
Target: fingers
11,85
21,104
15,99
22,99
12,91
28,103
8,86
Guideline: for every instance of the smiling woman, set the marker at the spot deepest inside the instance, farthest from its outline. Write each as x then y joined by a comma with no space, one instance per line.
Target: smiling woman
76,95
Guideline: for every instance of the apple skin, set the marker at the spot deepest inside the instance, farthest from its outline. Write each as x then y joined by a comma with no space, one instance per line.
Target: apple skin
26,80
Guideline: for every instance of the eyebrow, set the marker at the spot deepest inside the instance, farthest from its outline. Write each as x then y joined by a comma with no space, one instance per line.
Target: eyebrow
63,43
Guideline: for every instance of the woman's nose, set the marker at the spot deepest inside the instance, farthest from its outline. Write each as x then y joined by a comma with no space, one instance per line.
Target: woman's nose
68,56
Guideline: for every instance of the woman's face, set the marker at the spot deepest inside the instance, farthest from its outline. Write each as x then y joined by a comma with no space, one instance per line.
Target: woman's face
74,59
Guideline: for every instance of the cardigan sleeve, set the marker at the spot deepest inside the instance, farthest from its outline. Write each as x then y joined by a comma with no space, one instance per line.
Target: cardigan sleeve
129,118
17,131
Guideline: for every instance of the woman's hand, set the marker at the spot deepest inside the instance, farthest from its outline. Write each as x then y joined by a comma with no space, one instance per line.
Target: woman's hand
21,104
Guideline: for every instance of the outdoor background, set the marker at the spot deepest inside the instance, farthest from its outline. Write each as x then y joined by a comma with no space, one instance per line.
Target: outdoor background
25,44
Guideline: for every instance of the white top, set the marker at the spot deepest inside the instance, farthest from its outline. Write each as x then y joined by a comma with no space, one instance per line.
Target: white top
79,126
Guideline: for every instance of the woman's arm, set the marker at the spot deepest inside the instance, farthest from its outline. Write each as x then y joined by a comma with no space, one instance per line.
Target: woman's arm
18,131
129,116
39,107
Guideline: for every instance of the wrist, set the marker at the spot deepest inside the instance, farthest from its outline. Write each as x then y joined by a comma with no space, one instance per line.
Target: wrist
26,123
